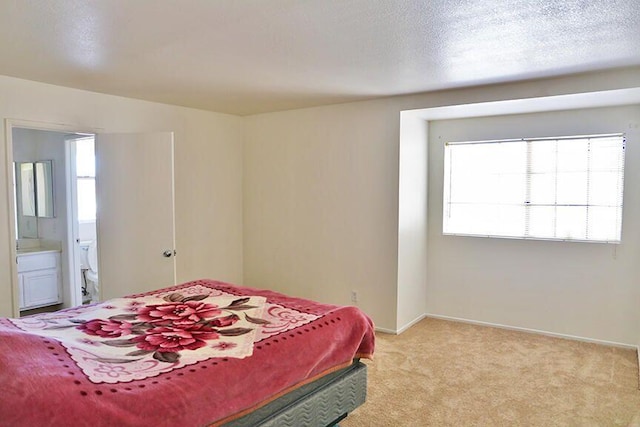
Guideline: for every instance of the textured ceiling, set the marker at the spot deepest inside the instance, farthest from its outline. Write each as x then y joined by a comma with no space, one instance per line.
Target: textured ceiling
251,56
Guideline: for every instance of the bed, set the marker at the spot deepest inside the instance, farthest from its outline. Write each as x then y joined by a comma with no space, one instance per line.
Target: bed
201,353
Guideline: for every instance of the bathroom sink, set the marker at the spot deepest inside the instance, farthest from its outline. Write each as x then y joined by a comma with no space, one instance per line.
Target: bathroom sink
31,246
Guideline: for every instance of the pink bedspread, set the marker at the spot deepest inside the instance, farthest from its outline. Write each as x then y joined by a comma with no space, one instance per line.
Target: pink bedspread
201,353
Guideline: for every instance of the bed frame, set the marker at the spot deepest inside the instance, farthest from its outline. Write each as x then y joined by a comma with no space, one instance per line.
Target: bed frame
324,402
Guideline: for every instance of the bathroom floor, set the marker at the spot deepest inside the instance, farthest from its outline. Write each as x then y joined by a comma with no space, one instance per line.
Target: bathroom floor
47,309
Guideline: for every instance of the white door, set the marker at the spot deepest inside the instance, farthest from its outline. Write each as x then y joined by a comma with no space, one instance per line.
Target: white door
135,213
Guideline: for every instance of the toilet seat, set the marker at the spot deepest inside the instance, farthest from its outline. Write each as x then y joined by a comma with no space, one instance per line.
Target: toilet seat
91,274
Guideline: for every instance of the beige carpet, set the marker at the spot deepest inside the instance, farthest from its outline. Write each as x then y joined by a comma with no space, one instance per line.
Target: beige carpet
441,373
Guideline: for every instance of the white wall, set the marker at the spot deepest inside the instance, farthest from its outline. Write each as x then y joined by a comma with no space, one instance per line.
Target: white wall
412,220
579,289
320,188
321,195
318,219
208,164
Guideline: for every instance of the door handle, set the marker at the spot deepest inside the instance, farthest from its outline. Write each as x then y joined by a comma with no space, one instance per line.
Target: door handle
168,253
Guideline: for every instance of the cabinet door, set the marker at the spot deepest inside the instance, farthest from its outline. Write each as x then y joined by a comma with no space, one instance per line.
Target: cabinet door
40,288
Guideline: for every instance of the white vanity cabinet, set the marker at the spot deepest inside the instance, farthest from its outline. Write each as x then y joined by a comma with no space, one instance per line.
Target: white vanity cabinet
39,279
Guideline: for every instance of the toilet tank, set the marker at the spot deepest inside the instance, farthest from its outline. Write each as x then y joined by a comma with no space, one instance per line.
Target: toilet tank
84,257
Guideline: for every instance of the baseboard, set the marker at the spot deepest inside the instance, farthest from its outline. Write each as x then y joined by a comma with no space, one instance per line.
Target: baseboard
386,331
638,355
410,324
403,328
515,328
534,331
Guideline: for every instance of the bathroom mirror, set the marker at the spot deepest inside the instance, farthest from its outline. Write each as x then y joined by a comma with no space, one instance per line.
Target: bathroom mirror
25,201
44,188
34,196
26,188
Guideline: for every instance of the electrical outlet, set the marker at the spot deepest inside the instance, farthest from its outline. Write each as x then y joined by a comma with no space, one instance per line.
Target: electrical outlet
354,296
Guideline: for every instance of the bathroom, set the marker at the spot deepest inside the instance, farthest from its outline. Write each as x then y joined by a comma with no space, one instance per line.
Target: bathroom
54,188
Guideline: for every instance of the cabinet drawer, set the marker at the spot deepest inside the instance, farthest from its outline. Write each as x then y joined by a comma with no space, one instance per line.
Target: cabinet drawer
37,262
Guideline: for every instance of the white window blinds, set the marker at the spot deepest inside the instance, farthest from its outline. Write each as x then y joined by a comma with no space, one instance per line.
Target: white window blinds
565,188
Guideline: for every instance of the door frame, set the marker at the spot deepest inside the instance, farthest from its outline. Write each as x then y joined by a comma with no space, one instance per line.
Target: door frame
10,124
73,223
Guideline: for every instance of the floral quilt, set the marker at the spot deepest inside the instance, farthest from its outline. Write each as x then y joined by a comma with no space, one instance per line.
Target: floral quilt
216,349
135,338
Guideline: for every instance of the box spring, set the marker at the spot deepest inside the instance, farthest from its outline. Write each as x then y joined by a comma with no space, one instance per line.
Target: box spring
321,403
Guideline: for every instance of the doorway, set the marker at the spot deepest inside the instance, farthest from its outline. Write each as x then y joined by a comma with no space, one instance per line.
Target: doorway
81,184
132,176
54,218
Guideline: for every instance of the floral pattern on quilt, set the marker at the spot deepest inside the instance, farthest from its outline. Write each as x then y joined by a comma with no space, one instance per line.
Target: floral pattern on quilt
128,339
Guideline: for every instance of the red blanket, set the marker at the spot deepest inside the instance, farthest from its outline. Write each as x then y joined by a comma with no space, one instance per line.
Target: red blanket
200,353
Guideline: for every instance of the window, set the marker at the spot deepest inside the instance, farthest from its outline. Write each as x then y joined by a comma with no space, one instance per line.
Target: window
86,179
565,188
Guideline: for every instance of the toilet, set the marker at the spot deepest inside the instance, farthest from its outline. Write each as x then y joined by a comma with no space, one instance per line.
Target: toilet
92,273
